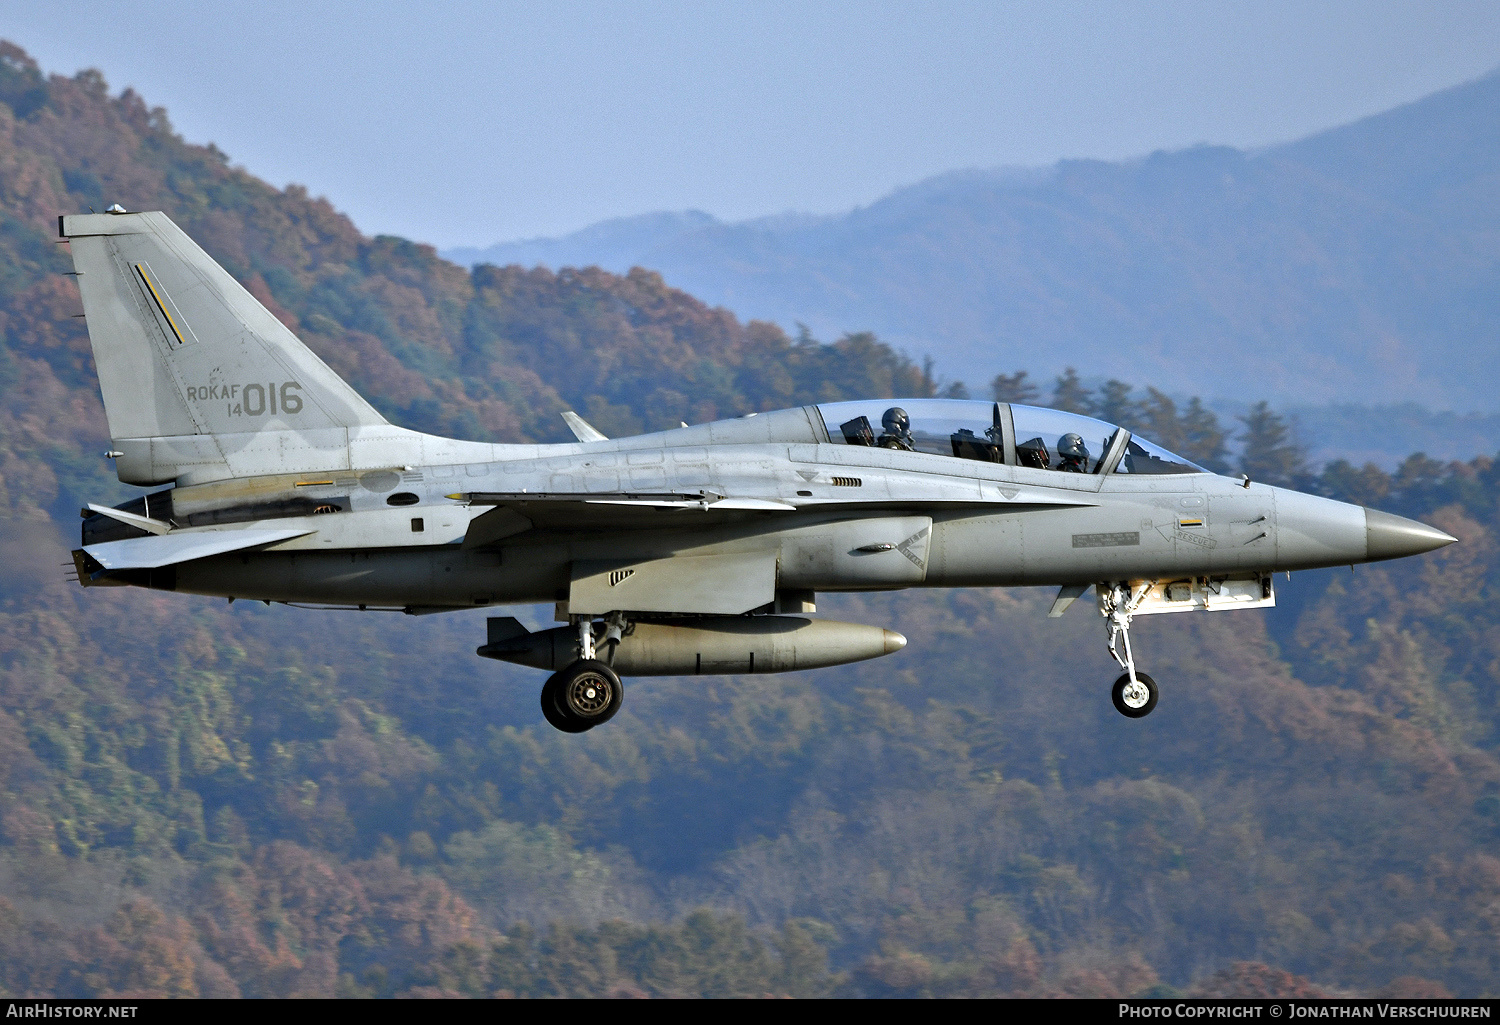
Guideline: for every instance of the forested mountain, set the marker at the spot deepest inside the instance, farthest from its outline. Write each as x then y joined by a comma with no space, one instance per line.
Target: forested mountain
1357,265
206,799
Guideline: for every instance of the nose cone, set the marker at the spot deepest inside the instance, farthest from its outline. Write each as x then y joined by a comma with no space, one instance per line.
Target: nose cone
893,641
1395,537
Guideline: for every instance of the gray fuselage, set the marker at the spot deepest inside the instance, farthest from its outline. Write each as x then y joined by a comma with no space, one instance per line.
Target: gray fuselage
848,512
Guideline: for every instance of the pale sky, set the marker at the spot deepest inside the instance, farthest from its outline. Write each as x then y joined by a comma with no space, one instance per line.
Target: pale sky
469,123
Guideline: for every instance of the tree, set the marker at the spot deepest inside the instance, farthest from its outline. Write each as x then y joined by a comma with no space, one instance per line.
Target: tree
1014,388
1270,454
963,832
1070,394
1368,485
1159,421
1418,479
1203,440
1116,406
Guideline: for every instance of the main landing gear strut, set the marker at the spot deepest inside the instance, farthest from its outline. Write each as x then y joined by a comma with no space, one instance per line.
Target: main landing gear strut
1134,693
588,692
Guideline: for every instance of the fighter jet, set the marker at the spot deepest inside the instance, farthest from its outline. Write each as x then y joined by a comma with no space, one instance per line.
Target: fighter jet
698,550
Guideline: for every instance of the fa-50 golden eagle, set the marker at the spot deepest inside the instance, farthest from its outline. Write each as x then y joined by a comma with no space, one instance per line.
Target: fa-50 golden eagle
692,551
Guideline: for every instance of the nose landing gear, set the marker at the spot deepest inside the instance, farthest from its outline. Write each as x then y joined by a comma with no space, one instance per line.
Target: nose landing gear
1134,698
1134,693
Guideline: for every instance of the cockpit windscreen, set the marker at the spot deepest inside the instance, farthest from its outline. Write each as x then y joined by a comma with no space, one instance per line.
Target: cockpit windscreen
1142,456
1043,439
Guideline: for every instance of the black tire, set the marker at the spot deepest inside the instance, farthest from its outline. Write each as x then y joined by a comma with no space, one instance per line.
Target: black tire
586,694
552,712
1117,695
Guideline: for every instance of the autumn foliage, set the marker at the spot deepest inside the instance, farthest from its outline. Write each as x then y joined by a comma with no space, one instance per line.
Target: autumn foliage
201,800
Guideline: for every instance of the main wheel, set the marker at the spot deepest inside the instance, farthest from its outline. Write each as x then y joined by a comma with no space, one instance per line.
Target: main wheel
552,711
582,696
1135,700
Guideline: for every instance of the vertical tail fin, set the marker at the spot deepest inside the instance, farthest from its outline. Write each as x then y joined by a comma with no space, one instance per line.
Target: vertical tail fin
199,379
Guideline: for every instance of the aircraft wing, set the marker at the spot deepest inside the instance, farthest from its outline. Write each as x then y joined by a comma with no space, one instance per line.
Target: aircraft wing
169,549
517,512
708,501
645,500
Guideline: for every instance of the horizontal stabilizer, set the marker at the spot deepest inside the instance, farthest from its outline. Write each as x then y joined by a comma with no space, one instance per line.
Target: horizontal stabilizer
170,549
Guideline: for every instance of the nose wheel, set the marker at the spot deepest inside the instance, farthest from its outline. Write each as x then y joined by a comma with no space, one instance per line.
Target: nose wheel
1134,697
1134,693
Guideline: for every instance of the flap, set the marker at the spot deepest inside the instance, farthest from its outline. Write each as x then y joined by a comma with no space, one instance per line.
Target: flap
170,549
725,585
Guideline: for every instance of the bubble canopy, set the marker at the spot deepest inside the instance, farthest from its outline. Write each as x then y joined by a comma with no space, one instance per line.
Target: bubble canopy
999,432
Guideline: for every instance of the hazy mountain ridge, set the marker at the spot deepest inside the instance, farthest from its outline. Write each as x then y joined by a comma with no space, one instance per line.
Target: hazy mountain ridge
1375,434
1358,264
205,799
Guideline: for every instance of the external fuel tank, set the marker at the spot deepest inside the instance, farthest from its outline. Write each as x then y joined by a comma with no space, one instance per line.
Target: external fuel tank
703,644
